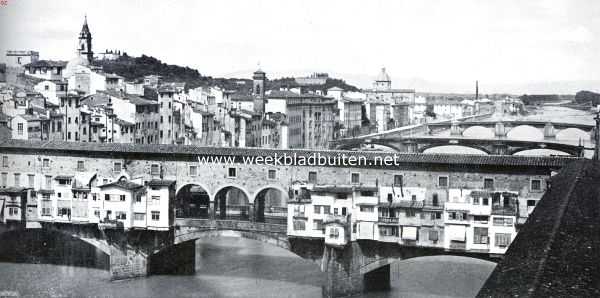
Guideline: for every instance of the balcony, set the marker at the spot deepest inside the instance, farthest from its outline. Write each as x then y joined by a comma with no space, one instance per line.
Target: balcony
341,219
510,210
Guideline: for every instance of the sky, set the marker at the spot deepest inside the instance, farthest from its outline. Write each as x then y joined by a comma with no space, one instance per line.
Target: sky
534,46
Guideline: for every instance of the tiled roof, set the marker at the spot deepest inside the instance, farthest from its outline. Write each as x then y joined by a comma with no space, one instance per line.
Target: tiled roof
187,150
242,97
10,190
47,63
123,184
556,253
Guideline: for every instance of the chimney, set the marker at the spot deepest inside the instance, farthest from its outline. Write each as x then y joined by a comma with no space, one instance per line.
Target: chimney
476,90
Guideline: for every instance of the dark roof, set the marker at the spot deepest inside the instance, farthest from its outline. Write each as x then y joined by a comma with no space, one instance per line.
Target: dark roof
188,150
242,97
10,190
123,184
47,63
557,251
157,182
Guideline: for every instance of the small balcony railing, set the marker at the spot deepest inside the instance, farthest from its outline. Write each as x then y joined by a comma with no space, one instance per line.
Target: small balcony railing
390,220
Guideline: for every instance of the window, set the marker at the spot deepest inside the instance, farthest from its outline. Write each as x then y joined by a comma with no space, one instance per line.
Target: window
117,167
272,175
13,211
46,163
343,210
299,225
398,180
486,201
536,185
488,183
121,215
58,194
139,216
17,180
155,215
318,224
317,209
367,209
481,218
410,212
155,200
31,180
503,221
46,211
334,233
5,161
231,173
193,170
122,198
4,180
355,178
312,177
480,235
107,197
433,235
531,203
443,181
80,165
436,215
20,129
388,231
502,239
326,210
475,201
154,170
335,211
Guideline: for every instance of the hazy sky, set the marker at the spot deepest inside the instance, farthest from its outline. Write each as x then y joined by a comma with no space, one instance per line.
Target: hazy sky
433,44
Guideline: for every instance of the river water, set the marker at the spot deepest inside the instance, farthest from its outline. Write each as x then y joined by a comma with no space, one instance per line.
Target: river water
237,267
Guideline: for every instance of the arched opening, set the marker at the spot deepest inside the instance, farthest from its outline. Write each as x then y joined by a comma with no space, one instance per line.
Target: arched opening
573,134
41,246
525,132
479,132
192,201
232,203
541,152
455,149
270,205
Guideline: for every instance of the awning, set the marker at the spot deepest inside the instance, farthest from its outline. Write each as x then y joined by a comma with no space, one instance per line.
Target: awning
455,232
409,233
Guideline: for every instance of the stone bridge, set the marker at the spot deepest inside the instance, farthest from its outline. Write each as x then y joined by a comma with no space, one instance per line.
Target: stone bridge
535,130
486,146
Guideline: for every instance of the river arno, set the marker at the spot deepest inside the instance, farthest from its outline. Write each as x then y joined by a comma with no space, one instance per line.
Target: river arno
234,267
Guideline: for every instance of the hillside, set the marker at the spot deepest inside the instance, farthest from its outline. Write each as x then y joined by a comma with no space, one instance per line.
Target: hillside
136,67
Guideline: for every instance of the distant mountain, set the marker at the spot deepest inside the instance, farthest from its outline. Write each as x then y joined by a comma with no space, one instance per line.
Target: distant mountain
587,96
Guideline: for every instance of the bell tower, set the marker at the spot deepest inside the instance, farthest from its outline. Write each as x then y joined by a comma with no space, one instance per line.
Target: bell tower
258,90
84,48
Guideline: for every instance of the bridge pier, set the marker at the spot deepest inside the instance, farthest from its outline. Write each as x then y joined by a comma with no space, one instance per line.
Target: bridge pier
549,131
500,130
127,262
455,129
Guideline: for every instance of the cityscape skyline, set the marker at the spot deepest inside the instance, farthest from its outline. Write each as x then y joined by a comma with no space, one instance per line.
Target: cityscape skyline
498,44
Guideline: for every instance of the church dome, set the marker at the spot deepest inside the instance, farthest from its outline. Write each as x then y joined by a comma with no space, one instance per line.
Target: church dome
74,65
383,76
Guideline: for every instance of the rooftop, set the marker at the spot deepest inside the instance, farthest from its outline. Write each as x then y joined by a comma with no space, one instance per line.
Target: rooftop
557,252
123,184
47,63
115,149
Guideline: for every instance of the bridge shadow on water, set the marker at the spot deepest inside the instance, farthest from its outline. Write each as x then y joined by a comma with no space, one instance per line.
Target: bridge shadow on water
38,246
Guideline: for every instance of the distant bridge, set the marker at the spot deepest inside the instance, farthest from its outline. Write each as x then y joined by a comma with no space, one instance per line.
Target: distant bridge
486,146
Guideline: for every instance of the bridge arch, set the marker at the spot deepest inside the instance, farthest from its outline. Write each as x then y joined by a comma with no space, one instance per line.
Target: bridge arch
359,145
479,132
192,201
525,132
547,151
232,202
573,134
270,204
469,149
